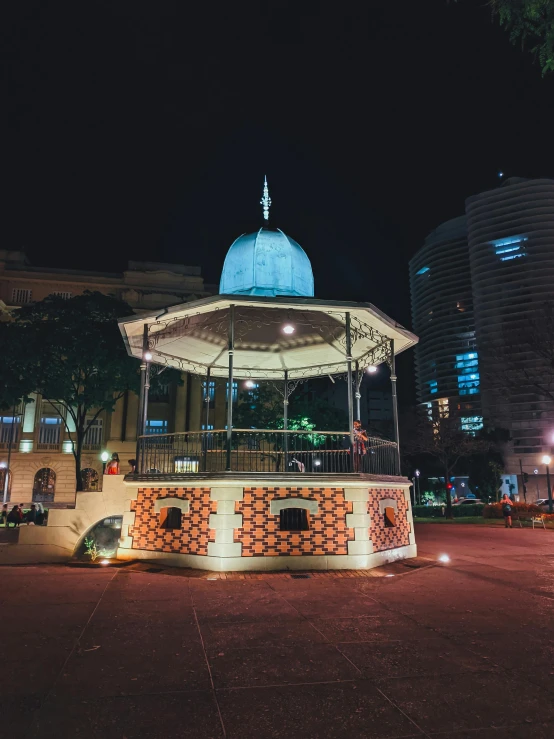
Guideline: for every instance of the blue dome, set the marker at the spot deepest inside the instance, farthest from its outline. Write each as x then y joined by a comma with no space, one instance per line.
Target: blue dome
268,263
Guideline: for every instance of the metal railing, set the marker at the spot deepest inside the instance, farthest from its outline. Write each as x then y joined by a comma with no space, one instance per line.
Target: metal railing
264,451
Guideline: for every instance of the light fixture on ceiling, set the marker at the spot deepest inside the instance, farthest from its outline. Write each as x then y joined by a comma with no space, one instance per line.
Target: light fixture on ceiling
288,328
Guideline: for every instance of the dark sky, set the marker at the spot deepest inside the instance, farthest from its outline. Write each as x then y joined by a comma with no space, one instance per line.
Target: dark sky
142,130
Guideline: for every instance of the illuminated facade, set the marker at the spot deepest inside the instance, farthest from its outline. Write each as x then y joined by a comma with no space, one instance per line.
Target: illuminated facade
477,281
511,252
42,464
447,359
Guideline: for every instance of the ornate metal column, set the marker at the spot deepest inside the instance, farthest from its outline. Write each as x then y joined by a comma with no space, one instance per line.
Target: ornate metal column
231,349
286,421
349,381
359,378
143,396
394,403
205,436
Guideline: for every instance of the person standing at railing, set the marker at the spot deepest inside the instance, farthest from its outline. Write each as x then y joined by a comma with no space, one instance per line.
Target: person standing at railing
112,468
360,446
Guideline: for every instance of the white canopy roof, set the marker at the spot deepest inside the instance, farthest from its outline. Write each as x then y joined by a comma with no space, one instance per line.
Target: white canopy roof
194,336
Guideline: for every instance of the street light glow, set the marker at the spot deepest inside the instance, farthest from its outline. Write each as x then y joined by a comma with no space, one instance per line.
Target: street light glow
249,383
288,329
148,357
417,473
317,462
3,465
444,558
105,456
546,459
372,369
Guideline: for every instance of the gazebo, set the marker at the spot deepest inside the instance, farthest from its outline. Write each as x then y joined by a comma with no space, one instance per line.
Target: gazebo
266,326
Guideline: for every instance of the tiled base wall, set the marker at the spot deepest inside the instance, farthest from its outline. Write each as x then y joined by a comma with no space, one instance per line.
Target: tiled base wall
191,538
243,523
260,535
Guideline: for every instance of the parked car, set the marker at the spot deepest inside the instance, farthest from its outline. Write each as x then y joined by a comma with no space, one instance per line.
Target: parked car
543,504
470,501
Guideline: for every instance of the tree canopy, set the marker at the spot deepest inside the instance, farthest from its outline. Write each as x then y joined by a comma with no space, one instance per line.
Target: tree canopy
71,353
531,24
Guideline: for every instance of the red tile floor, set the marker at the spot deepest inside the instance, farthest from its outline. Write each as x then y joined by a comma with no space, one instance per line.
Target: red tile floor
460,651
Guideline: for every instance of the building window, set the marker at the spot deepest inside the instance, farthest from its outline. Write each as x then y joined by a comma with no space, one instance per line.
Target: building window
186,464
235,391
422,271
90,479
389,517
160,394
61,294
211,393
93,436
49,432
156,426
293,519
10,426
21,296
170,518
209,427
472,424
433,386
443,407
510,248
44,485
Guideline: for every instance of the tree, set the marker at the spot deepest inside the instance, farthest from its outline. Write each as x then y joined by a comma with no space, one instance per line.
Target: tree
16,382
441,438
531,23
262,408
74,357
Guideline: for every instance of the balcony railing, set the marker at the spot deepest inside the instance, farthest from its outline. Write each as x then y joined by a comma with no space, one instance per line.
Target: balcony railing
264,451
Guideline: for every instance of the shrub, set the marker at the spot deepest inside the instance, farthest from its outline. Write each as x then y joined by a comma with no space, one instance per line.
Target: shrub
495,509
428,511
459,511
463,511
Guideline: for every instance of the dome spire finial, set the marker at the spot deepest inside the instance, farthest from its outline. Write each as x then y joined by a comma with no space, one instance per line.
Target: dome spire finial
265,202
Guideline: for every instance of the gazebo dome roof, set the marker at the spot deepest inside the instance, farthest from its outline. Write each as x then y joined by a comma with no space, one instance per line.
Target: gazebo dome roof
269,263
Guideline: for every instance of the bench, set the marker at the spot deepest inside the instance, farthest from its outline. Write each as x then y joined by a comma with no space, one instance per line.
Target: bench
534,518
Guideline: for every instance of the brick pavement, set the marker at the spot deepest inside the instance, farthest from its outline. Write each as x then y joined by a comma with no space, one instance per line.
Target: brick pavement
460,651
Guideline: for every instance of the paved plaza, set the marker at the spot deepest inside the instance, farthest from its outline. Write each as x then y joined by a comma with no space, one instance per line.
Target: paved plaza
463,651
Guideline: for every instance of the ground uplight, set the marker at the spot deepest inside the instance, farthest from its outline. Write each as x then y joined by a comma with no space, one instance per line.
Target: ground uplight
104,561
444,558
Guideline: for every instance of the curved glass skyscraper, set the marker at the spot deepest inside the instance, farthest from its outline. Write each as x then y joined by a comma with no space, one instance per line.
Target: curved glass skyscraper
447,363
478,283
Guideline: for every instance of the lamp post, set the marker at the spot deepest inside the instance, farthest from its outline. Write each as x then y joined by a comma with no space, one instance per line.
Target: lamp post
546,461
417,474
104,457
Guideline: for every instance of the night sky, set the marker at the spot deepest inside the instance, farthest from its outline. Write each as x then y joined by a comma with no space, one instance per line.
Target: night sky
142,130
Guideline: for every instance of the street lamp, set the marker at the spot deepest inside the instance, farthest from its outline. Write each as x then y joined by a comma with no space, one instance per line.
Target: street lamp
104,457
417,474
372,369
546,461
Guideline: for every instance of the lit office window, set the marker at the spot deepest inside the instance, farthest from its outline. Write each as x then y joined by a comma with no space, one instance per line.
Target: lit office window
510,248
156,427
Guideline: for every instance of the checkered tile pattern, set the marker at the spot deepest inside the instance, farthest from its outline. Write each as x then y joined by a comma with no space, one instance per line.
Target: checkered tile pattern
388,538
194,535
260,535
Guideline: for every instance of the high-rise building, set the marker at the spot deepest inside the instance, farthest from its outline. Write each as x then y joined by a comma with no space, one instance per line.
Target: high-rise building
447,363
476,284
511,251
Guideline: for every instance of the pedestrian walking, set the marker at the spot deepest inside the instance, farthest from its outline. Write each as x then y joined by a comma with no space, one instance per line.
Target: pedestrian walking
507,510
